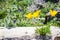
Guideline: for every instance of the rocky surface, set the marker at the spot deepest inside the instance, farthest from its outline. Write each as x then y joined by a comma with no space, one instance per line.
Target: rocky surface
55,32
26,33
33,6
26,37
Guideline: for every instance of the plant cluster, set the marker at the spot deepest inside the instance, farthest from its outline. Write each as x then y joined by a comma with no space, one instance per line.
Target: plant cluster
44,30
14,13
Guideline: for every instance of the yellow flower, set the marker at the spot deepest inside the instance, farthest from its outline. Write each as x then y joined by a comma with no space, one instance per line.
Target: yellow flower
53,13
29,15
36,14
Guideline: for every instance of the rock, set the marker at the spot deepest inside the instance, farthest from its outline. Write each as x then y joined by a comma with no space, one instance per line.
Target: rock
26,37
17,32
57,38
46,37
39,1
55,31
35,5
26,33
